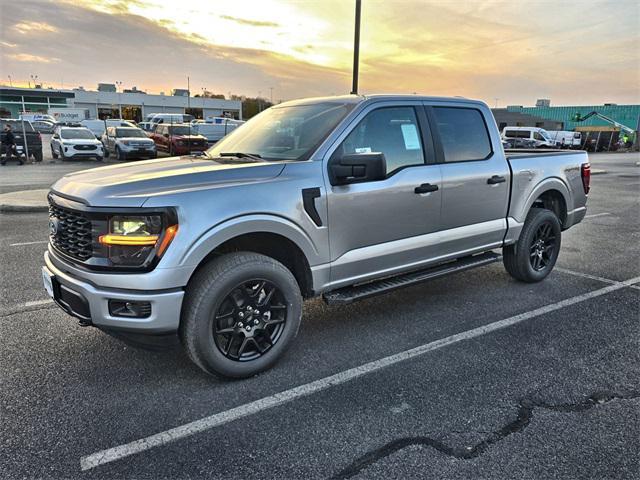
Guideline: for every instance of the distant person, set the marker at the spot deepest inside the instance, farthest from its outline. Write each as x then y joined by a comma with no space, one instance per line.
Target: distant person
8,145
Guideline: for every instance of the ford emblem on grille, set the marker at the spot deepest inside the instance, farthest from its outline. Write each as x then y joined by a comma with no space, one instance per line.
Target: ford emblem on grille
53,226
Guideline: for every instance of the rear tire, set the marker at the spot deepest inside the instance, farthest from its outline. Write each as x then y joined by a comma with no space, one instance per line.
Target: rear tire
533,257
220,329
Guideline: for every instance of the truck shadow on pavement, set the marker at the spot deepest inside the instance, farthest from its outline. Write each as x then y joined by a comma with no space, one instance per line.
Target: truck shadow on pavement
526,409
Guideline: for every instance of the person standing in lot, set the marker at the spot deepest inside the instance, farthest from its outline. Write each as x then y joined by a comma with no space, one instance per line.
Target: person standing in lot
8,145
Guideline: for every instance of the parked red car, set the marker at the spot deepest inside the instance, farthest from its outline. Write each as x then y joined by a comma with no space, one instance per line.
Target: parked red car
178,139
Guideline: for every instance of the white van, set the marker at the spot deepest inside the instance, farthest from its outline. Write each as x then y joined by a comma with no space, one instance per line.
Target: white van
565,139
34,117
538,136
98,127
171,118
215,131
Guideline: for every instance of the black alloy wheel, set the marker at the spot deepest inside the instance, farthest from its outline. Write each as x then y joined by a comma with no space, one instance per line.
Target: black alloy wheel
250,320
543,247
535,253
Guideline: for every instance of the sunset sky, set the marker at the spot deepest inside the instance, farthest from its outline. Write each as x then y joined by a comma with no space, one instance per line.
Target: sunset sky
574,52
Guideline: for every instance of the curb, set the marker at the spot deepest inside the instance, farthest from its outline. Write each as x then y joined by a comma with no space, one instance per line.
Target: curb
597,171
23,208
24,201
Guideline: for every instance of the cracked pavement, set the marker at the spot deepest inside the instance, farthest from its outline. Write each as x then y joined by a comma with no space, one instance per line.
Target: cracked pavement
554,396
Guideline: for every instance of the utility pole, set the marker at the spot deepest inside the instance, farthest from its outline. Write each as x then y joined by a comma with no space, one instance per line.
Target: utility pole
188,94
356,48
496,99
271,88
119,90
189,108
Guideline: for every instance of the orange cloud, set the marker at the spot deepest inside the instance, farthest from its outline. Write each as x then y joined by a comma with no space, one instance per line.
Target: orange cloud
26,57
34,27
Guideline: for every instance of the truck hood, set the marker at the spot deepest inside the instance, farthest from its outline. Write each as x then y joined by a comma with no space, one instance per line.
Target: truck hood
131,184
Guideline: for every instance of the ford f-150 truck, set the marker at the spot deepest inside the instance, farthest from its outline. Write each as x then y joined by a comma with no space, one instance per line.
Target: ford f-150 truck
344,197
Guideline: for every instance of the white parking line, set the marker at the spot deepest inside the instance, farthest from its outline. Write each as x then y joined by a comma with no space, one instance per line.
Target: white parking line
28,243
159,439
37,302
585,275
597,215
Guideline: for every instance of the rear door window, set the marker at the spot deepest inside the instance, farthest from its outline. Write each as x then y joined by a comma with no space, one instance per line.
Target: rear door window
463,134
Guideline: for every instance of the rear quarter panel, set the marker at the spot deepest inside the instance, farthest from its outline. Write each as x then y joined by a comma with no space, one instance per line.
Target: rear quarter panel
535,174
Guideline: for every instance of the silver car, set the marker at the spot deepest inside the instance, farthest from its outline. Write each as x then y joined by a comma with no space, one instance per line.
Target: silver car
339,197
127,143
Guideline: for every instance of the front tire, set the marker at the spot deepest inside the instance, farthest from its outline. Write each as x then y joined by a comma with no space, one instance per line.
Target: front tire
53,153
120,154
241,312
533,257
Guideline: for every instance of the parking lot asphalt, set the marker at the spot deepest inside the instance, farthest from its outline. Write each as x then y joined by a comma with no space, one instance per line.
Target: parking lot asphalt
509,380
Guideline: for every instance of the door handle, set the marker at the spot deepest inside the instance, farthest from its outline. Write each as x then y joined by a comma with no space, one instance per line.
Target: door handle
496,179
426,188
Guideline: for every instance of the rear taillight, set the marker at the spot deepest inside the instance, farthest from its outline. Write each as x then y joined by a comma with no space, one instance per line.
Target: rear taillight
585,172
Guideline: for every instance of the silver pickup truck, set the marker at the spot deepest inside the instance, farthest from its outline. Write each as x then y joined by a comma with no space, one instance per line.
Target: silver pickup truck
344,197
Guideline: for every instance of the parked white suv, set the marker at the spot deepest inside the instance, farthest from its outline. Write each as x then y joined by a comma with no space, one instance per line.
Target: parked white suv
71,143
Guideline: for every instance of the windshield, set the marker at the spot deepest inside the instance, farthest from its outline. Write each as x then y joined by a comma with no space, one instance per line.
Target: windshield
79,133
182,130
284,133
545,134
130,132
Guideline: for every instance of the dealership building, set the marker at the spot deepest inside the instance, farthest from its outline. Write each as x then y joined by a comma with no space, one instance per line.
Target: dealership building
594,128
107,102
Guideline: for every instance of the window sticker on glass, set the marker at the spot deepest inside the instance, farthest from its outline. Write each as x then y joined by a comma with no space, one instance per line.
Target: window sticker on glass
410,135
363,150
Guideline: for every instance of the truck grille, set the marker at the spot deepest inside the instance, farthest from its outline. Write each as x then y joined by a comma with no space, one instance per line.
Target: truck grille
70,232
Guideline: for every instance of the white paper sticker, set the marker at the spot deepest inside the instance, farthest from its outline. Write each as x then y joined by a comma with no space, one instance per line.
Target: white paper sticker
363,150
410,135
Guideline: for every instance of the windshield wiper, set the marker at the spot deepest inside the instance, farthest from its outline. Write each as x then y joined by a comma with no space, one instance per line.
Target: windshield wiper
253,156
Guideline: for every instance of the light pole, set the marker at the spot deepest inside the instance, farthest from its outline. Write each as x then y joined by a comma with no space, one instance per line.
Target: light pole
10,84
356,48
271,98
204,92
35,80
496,99
119,90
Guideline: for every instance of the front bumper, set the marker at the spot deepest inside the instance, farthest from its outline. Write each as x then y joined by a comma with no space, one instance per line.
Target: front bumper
90,303
146,151
72,152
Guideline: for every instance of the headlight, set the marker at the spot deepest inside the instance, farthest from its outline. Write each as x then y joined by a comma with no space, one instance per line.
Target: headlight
125,142
135,241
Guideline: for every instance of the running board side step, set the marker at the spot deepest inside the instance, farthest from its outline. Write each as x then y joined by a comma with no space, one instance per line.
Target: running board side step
351,294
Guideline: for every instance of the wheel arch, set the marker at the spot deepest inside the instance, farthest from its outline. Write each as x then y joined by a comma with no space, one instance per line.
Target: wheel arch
274,237
552,194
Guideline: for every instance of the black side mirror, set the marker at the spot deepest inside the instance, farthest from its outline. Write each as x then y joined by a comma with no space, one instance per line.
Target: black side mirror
56,136
166,135
357,168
